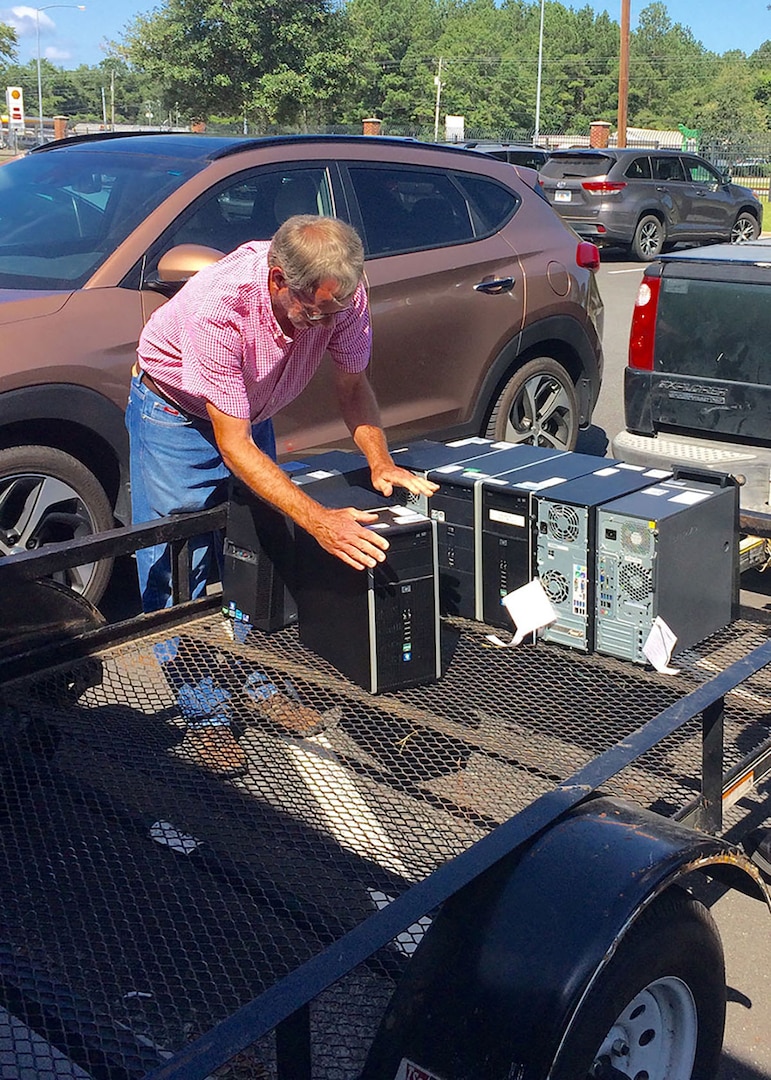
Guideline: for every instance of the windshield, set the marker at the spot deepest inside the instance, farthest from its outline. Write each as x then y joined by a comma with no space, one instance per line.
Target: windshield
63,212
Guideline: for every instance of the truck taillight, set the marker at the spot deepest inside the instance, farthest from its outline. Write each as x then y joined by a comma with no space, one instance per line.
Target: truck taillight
643,332
588,255
603,187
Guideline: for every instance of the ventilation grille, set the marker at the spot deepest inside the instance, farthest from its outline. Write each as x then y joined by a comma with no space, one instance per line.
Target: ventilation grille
636,581
563,522
556,586
636,539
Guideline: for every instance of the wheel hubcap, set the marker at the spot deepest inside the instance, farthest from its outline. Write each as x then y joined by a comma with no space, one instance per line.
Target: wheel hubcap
37,510
649,239
655,1036
541,414
743,231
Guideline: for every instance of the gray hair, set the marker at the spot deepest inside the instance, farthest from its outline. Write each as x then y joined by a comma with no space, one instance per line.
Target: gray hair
310,249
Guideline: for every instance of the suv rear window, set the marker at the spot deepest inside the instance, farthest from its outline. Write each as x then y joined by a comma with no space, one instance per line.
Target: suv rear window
567,166
714,330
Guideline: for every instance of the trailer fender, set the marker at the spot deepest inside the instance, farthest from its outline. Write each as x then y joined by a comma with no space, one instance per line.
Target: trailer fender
491,990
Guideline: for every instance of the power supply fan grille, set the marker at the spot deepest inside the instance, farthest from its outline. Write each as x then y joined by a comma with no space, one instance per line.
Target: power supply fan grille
555,585
563,522
636,581
636,539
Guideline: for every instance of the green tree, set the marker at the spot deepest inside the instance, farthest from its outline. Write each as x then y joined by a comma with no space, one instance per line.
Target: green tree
8,42
268,60
667,68
395,45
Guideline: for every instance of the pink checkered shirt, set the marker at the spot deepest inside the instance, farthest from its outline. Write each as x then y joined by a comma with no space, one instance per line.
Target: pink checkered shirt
218,340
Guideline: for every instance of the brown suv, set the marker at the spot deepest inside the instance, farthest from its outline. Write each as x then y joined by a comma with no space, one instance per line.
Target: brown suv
486,313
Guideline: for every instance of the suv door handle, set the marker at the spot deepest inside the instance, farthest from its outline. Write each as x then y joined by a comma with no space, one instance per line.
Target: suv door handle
497,285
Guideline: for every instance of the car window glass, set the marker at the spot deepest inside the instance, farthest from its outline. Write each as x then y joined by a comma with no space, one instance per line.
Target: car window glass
251,207
565,166
533,159
668,168
405,209
62,213
490,205
639,168
714,330
700,172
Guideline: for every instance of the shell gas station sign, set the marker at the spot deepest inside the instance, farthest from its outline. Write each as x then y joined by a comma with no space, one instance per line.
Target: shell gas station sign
14,107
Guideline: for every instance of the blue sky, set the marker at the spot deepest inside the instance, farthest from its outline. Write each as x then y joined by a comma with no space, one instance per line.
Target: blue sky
69,37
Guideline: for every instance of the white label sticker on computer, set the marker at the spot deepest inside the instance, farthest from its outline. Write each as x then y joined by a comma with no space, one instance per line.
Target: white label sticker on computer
690,497
507,519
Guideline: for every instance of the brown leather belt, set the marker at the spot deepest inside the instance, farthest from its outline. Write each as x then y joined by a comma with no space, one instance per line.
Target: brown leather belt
151,384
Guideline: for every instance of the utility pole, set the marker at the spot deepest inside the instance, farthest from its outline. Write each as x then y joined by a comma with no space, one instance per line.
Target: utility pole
537,131
438,84
623,74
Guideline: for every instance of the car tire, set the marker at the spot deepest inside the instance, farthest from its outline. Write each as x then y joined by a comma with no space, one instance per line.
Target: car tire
658,1008
745,229
48,496
537,405
649,239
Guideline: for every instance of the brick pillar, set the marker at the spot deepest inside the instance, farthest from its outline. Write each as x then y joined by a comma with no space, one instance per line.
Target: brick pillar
599,134
371,126
60,127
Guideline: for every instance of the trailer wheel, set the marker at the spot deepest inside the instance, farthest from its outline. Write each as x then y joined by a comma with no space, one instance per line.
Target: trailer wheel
657,1010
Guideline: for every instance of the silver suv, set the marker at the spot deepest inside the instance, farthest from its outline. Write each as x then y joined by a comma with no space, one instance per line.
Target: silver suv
648,200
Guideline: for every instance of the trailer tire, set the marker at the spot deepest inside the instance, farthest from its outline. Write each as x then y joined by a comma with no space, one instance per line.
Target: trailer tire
658,1007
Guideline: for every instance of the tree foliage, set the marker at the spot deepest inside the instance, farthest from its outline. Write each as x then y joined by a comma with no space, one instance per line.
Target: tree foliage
310,64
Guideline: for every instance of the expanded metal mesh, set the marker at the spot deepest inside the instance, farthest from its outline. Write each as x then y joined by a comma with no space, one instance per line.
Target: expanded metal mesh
148,893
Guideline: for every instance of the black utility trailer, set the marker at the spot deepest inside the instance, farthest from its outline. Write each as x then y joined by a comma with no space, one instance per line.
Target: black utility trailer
483,877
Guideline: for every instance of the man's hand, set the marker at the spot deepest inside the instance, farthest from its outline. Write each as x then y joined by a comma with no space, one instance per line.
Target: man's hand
386,477
340,533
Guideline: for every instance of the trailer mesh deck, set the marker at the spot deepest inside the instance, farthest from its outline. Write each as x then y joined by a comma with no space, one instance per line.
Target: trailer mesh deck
146,897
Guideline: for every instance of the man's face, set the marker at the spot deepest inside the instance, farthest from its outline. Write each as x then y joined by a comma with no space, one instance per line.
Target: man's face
304,309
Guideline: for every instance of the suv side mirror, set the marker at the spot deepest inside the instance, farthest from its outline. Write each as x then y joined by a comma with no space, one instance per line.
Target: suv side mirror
179,263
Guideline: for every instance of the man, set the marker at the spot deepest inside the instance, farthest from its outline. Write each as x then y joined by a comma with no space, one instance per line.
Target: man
238,342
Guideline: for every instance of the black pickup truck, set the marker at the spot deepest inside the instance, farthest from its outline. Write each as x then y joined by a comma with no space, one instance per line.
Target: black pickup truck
697,388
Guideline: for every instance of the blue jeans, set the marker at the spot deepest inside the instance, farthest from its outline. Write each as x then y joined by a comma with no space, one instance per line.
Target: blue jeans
176,467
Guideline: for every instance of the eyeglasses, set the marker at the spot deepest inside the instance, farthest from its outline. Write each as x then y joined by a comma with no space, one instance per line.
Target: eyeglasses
310,308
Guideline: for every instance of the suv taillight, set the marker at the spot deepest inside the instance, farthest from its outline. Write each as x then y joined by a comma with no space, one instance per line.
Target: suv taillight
588,255
603,187
643,332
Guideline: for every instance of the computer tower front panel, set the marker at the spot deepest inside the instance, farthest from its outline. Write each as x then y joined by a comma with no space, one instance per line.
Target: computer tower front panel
258,572
379,627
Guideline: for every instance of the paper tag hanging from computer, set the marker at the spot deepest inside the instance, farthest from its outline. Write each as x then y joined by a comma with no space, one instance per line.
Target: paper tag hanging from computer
659,645
530,610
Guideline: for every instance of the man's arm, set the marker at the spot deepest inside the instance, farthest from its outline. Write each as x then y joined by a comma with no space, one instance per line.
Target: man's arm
338,531
361,414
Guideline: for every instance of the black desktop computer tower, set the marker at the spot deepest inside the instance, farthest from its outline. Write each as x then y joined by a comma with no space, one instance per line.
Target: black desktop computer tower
425,455
379,627
669,551
507,551
258,572
456,508
566,523
259,556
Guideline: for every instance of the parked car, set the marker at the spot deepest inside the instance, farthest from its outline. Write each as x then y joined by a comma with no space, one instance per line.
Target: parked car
532,157
486,313
697,390
648,200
